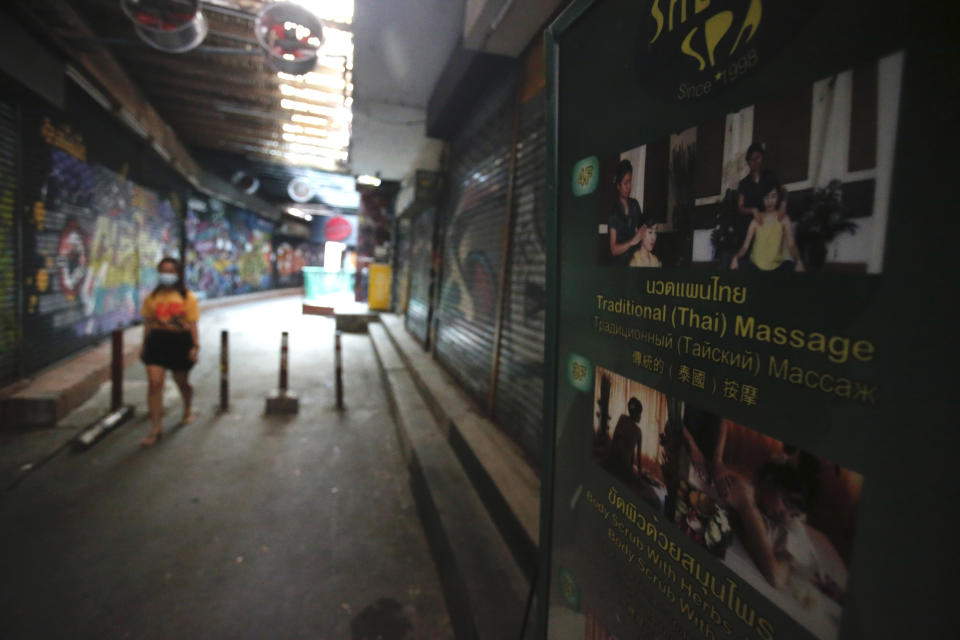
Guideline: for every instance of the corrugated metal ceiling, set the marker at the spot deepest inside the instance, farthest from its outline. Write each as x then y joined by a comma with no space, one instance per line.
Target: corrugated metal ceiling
224,97
223,100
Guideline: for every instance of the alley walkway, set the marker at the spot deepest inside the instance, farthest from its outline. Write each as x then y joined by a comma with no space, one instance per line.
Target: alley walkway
237,525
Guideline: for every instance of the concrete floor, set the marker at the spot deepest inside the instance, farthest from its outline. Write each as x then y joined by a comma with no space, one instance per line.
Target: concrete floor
237,525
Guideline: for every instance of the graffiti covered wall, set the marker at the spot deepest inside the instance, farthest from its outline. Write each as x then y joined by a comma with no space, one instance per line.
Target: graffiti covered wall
490,340
228,250
375,225
474,219
9,329
92,239
292,255
518,407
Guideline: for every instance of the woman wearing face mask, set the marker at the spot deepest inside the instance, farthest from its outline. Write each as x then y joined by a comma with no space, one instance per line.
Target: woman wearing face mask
170,315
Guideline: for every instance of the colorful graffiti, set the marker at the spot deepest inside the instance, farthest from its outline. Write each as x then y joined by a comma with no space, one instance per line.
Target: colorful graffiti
373,221
158,233
9,331
292,255
229,250
469,289
520,383
92,245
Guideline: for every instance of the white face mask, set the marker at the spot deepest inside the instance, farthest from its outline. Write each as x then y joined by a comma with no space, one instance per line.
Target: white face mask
168,279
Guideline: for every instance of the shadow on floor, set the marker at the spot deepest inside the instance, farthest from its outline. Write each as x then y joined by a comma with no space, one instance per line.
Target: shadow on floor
383,620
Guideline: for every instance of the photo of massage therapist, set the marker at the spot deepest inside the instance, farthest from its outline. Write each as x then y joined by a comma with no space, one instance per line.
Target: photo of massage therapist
629,420
632,234
625,226
829,148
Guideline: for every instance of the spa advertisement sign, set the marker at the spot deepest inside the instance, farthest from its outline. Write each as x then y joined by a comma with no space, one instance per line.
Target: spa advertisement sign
725,340
690,49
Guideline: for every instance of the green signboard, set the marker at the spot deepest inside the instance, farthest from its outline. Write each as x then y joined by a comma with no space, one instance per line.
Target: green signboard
749,354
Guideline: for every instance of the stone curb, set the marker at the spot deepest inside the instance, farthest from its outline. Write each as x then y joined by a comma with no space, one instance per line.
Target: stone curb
484,587
504,479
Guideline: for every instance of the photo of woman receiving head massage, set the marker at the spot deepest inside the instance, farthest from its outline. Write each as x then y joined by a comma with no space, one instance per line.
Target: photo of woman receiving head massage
782,519
644,256
632,235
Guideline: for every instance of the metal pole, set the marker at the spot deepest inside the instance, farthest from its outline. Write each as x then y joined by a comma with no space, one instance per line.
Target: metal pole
224,371
116,371
338,364
283,364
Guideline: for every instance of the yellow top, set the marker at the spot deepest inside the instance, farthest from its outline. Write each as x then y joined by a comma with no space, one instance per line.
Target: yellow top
767,252
643,258
168,310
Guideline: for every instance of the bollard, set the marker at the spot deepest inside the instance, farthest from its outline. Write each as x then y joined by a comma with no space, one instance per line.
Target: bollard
116,371
283,362
338,368
224,372
118,413
282,400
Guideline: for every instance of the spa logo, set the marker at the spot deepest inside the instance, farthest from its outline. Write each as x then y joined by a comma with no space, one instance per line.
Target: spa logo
586,174
569,588
696,48
580,373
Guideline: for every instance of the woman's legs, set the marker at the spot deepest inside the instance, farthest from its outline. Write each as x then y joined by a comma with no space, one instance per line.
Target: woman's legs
186,392
155,377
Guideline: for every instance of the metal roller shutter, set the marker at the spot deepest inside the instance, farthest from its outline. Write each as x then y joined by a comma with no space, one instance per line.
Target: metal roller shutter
472,247
401,265
518,402
421,274
92,235
9,325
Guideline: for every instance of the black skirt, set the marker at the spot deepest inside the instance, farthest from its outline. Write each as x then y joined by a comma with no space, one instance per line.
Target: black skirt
168,349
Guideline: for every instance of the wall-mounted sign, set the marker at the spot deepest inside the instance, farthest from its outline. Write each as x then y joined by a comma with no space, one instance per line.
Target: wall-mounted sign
695,48
336,189
333,189
750,374
338,229
335,228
